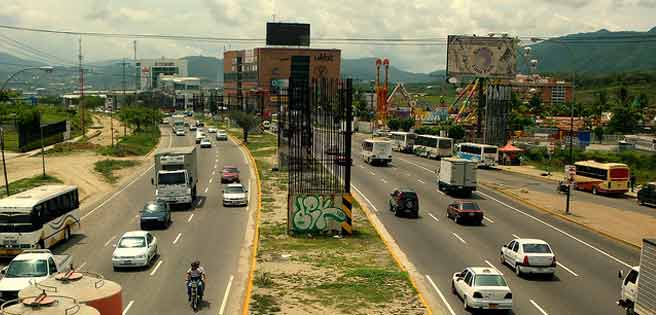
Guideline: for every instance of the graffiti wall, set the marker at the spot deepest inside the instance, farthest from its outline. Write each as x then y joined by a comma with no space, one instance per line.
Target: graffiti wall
310,213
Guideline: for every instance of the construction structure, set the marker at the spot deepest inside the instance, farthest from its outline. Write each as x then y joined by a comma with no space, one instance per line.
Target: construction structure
381,94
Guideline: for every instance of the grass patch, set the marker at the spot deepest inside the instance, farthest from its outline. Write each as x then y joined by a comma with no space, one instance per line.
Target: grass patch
264,304
61,149
28,183
107,167
137,144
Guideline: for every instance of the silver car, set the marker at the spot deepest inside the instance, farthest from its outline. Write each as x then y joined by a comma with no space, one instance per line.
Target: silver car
235,195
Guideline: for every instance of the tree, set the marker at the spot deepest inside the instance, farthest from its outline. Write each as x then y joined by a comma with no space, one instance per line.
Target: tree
245,121
535,104
626,113
598,133
456,132
394,124
407,124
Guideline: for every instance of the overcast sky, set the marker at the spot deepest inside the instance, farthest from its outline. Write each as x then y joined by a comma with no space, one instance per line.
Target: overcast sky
334,18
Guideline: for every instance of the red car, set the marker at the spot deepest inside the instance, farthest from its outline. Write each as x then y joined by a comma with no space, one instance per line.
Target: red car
465,211
230,174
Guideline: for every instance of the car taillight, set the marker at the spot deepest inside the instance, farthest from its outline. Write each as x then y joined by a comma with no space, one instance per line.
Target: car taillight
508,296
478,295
525,260
553,262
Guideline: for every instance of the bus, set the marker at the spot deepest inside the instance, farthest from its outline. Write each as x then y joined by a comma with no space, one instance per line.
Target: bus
403,141
377,151
433,147
596,177
484,154
38,218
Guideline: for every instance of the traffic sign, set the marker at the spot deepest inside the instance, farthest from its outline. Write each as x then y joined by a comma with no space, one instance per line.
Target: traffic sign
570,172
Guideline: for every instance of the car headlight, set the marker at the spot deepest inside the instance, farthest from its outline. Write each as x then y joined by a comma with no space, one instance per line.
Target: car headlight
140,256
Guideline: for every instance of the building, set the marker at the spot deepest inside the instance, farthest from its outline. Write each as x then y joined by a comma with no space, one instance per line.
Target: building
255,79
185,91
550,90
149,70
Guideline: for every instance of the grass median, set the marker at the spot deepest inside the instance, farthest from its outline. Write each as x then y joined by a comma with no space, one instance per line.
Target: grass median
316,274
106,168
28,183
137,144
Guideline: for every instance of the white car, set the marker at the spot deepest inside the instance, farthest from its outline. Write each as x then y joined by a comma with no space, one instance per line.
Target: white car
180,132
221,135
135,249
205,143
482,288
531,256
211,130
235,195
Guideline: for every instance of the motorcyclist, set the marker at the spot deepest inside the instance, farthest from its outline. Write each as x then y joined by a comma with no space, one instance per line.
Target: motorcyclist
196,272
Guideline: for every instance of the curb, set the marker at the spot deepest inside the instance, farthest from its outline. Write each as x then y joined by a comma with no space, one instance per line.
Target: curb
396,259
561,216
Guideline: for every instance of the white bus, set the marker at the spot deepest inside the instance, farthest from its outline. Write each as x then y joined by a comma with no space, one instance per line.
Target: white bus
433,147
38,218
484,154
377,151
403,141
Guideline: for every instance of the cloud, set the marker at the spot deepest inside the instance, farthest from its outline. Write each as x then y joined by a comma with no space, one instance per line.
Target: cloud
572,3
647,3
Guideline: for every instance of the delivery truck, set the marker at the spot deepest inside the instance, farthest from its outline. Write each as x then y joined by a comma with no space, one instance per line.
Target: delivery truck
457,176
176,175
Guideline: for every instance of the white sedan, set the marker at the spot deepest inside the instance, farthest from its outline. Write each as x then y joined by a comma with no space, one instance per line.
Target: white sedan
205,143
211,130
529,256
482,288
235,195
135,249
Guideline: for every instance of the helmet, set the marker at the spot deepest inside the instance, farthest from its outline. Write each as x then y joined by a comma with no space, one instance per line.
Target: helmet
195,264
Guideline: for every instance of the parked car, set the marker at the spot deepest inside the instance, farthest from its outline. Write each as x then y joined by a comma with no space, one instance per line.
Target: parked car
530,256
200,123
235,195
155,213
647,195
193,128
221,135
230,174
482,288
205,143
465,211
211,130
404,201
135,249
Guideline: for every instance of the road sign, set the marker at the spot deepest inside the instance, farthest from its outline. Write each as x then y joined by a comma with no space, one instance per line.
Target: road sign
570,172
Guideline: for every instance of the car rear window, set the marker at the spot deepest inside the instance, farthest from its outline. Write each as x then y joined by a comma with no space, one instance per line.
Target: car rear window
470,206
231,170
408,195
537,248
619,173
489,281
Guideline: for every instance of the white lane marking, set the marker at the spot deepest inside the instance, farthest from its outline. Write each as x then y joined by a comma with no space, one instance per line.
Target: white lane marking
211,179
127,308
538,307
459,238
441,295
177,238
515,236
488,219
567,269
361,166
216,161
81,266
109,241
495,268
213,172
225,295
365,198
441,192
116,194
372,173
206,188
248,192
432,216
190,217
383,180
559,230
415,164
134,218
159,263
421,181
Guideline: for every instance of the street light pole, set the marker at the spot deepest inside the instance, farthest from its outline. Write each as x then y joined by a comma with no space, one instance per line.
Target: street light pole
4,164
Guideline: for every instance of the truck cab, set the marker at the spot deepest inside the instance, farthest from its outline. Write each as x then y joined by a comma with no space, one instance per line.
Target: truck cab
176,175
629,290
32,266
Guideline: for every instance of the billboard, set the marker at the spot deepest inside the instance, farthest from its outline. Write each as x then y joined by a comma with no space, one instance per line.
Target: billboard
482,57
288,34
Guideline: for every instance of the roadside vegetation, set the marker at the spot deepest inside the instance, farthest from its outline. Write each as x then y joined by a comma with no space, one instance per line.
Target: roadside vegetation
145,136
28,183
106,168
316,274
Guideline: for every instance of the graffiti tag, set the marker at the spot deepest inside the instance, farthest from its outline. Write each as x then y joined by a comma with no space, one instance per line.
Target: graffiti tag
311,213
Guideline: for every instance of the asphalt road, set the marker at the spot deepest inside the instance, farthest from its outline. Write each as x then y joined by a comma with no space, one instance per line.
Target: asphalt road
586,279
210,232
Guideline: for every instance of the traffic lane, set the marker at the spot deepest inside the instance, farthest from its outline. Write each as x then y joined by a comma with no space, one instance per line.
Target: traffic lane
559,296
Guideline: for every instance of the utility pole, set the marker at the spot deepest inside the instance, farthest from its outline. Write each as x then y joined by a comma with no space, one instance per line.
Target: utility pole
123,87
136,72
81,102
4,164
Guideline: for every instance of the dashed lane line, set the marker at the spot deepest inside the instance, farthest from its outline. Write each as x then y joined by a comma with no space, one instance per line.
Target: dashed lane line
567,269
459,238
435,218
538,307
206,189
127,307
421,181
177,238
159,263
488,219
109,241
190,217
211,179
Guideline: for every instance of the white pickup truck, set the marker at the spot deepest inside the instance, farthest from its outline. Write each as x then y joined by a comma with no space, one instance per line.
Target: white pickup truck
31,266
638,292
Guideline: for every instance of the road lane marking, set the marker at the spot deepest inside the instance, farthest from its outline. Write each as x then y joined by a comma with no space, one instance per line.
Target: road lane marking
225,295
177,238
213,172
211,179
417,165
109,241
159,263
441,192
383,180
538,307
365,198
567,269
127,308
515,236
372,173
81,266
190,217
493,267
459,238
432,216
441,295
116,194
361,166
206,188
559,230
488,219
421,181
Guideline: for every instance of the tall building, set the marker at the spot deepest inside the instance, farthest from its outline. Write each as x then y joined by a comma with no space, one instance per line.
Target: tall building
149,70
550,90
254,78
184,91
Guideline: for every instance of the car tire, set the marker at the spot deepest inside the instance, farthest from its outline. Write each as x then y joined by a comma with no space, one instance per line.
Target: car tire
115,268
453,288
518,271
67,233
502,259
465,304
457,219
594,190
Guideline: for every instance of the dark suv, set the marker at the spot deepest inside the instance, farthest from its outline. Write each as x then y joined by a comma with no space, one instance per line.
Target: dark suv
647,195
404,201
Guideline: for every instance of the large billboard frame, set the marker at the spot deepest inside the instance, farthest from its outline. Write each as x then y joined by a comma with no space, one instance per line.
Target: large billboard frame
481,57
288,34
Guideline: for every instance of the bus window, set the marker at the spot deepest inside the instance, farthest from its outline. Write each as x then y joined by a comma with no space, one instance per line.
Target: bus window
490,150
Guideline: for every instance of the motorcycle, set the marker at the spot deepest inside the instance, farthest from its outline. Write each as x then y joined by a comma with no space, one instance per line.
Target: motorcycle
196,297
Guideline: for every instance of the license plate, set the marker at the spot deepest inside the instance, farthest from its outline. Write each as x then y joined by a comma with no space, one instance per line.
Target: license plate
471,214
493,306
127,262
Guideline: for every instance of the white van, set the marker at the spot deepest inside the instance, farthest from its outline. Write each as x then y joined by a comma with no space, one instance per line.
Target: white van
377,151
199,136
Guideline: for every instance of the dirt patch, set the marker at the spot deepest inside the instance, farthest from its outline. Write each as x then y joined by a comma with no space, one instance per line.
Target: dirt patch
104,138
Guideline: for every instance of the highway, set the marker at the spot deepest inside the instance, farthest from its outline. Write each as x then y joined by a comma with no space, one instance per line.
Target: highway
586,280
211,233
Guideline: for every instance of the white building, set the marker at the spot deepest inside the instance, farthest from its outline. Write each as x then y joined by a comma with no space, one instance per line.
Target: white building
149,71
184,90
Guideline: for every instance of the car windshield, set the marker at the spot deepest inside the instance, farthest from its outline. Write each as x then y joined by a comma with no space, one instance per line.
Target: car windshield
490,281
537,248
171,178
234,190
132,242
153,207
231,170
27,268
470,206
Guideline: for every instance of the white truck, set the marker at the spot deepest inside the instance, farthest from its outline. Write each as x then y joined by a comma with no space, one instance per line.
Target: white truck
638,293
457,176
377,151
31,266
176,175
178,124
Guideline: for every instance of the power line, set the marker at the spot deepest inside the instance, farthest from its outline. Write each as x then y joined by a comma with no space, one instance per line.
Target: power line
35,51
